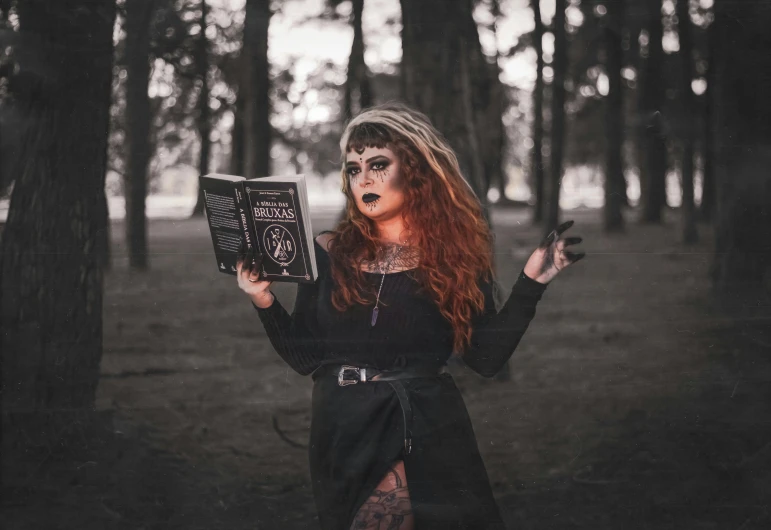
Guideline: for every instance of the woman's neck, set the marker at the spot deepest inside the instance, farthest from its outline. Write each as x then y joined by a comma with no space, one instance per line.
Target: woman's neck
392,232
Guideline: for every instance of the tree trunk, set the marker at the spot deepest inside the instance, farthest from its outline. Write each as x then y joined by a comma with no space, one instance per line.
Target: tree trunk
204,113
138,15
537,155
708,182
690,235
357,79
560,65
238,133
654,163
473,153
493,161
615,184
51,272
257,131
103,246
743,135
443,68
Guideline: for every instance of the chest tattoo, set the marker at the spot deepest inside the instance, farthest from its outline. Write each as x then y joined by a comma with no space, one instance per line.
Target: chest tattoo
407,258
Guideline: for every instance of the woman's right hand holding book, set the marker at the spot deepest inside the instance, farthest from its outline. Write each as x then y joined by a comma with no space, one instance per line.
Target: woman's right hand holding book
249,282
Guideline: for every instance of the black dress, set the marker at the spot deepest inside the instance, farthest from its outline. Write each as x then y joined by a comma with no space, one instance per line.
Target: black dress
357,430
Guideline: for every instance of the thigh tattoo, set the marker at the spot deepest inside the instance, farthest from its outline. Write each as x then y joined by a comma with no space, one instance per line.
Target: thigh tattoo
388,507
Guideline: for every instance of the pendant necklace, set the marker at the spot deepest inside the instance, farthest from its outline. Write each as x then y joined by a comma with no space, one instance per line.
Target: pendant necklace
383,271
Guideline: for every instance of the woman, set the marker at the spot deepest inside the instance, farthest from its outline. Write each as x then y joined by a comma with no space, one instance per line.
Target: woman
404,281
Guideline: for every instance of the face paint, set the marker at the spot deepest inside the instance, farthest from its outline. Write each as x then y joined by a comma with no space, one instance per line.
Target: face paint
374,179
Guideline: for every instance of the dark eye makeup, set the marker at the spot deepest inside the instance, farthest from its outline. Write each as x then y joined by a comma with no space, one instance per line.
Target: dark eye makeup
377,165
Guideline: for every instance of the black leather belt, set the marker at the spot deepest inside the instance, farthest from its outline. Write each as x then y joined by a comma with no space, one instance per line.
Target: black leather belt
351,375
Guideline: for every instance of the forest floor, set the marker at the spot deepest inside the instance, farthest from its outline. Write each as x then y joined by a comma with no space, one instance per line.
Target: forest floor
632,402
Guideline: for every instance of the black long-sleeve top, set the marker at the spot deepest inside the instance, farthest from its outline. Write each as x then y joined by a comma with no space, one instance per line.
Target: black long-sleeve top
410,330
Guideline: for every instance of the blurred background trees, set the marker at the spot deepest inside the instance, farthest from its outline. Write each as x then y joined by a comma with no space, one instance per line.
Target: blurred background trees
196,87
632,107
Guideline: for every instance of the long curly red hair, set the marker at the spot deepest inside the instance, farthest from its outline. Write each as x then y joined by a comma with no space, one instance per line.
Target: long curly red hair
441,212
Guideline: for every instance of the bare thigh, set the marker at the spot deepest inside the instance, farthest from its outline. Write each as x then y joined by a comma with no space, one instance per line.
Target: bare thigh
388,508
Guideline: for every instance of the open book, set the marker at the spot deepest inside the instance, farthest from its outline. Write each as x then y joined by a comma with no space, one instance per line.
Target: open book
270,215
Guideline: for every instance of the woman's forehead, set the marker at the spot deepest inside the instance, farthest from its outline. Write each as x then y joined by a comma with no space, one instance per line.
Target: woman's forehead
353,155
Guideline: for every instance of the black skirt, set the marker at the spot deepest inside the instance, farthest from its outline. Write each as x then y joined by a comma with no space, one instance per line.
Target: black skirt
357,434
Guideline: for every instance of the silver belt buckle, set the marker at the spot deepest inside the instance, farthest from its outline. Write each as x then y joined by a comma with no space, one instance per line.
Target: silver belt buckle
341,373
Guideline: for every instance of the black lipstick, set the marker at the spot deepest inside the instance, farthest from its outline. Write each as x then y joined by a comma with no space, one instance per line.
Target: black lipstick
370,197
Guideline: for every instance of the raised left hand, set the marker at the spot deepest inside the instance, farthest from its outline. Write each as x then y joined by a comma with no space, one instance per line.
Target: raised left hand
551,256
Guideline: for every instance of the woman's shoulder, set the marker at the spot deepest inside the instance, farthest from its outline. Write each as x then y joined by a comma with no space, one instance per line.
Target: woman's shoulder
323,239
